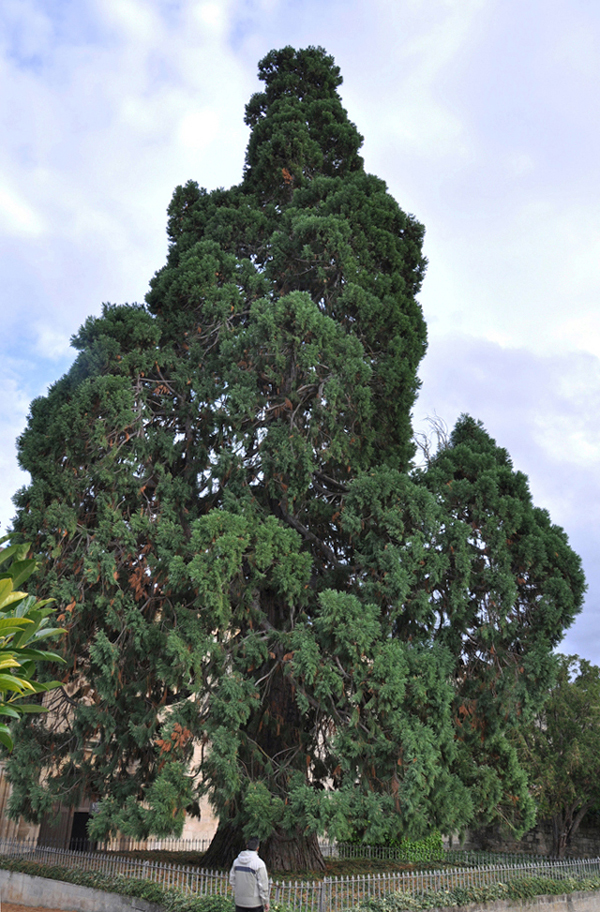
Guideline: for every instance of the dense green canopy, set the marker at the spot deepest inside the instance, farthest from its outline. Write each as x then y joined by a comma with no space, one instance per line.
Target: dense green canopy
256,587
560,750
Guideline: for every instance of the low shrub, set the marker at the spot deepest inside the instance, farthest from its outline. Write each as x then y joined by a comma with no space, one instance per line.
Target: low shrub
464,896
170,900
420,851
414,851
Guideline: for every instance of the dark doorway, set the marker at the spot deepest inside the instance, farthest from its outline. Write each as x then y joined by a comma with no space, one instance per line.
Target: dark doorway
80,841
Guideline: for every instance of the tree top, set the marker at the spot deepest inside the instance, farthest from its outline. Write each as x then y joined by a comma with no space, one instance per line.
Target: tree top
299,125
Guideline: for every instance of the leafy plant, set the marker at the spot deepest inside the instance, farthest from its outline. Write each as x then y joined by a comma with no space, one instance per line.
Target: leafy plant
170,900
560,749
517,889
416,851
24,624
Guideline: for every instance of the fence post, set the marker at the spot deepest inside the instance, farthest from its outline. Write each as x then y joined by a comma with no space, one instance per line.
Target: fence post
323,894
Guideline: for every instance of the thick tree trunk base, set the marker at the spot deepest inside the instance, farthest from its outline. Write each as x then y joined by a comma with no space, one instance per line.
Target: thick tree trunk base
226,845
292,851
283,851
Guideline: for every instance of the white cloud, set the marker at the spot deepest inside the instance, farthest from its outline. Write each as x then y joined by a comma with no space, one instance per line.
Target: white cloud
519,163
26,28
17,216
15,405
423,48
578,47
135,21
198,129
523,274
213,15
51,343
541,407
568,432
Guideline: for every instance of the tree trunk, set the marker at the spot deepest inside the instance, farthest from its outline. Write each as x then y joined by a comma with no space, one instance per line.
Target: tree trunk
576,820
292,851
275,728
226,845
282,851
559,836
564,827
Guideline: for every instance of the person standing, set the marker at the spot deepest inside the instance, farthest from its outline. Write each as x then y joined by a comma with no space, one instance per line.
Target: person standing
249,880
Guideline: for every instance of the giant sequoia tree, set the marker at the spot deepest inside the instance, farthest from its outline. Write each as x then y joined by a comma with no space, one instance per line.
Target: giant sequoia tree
262,601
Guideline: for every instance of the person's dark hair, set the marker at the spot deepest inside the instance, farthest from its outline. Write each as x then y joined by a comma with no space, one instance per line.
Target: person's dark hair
253,844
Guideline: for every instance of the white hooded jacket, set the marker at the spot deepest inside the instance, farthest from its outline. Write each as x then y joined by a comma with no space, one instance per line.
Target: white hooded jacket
249,879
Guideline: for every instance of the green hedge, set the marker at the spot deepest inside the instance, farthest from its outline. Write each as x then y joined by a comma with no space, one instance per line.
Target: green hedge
171,900
416,851
420,851
464,896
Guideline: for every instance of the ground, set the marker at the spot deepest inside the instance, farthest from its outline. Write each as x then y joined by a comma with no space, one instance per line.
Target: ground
11,907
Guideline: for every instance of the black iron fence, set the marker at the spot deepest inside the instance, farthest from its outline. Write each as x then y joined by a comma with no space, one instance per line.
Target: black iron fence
331,894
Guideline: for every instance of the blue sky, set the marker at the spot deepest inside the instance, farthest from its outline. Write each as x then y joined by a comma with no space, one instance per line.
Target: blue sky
482,117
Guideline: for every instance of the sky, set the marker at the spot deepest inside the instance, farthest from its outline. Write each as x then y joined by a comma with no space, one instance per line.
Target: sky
482,117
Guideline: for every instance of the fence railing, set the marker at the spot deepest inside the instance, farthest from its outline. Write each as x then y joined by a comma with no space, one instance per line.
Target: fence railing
328,849
331,894
126,844
187,878
397,853
477,858
335,894
381,853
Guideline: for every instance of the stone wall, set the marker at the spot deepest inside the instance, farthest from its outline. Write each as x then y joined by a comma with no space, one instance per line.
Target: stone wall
26,890
538,841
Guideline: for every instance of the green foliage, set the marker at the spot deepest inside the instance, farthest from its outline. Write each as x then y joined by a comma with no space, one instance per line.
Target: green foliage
263,601
421,851
560,749
170,900
514,890
24,624
504,586
416,851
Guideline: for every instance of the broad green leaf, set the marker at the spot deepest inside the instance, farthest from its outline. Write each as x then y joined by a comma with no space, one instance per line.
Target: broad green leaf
37,655
29,707
8,710
8,600
6,589
10,552
21,570
10,682
14,625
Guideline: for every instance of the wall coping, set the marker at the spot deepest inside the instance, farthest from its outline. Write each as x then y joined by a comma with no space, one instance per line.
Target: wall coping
30,890
578,901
